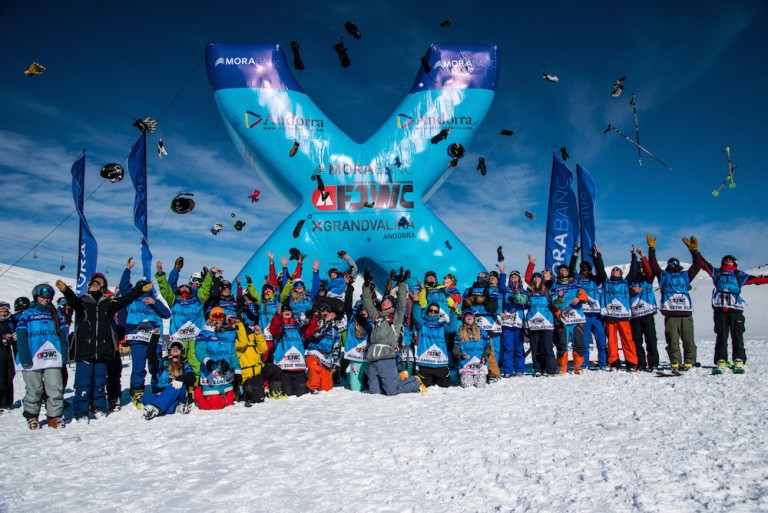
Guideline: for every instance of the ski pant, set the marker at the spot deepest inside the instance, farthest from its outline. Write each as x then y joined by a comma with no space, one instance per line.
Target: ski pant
542,351
167,399
90,385
34,383
645,327
512,350
675,329
114,374
253,387
594,326
383,378
7,373
138,365
213,401
293,383
493,363
318,377
573,334
472,380
439,376
729,321
357,372
614,330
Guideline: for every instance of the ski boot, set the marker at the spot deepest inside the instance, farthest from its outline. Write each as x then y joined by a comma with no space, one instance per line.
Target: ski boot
404,375
150,412
422,387
136,399
738,367
687,366
719,368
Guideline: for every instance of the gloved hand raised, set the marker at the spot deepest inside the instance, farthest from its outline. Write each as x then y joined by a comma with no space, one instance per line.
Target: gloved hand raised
367,277
179,263
210,365
692,244
224,365
651,241
61,285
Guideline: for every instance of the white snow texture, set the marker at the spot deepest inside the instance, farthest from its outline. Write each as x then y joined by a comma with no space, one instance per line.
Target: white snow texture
595,442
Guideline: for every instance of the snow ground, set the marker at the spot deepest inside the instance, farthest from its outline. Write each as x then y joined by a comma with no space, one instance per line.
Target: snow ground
596,442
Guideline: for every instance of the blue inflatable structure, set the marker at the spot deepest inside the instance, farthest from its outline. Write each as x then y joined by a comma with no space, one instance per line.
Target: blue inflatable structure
365,198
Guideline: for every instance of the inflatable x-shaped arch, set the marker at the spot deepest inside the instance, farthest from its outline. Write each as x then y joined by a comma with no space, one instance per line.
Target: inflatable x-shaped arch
372,202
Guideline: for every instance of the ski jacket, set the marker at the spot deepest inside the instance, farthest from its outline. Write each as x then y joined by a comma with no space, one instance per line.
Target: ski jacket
289,347
428,295
477,349
432,349
387,325
514,303
728,281
41,339
138,311
540,316
94,318
322,341
562,295
251,348
355,347
7,341
485,302
268,311
674,285
217,346
593,284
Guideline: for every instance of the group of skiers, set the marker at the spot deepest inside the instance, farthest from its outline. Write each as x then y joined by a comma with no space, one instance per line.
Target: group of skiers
229,343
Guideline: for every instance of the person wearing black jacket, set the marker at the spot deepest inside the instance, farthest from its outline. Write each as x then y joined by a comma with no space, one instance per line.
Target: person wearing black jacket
95,341
7,351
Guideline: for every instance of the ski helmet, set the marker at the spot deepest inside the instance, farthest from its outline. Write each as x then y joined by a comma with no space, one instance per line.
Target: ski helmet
183,203
585,267
456,150
113,172
673,263
21,304
196,278
729,257
43,290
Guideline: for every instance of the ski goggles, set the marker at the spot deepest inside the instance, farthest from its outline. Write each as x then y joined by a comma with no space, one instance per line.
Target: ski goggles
226,285
5,306
44,292
196,280
218,316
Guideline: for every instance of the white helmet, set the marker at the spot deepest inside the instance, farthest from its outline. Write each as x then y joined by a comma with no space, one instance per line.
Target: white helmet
196,277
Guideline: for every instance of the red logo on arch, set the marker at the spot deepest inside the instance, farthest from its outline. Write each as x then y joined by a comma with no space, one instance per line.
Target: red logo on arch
327,203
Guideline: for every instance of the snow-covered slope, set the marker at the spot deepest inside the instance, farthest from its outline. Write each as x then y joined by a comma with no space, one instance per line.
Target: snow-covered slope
596,442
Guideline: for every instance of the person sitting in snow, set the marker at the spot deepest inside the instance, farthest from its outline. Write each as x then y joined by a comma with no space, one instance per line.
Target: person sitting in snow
174,379
472,349
219,365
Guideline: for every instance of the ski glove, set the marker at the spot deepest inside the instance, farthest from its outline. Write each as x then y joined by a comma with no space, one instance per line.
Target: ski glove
651,241
224,365
61,285
692,244
210,365
367,277
177,384
179,263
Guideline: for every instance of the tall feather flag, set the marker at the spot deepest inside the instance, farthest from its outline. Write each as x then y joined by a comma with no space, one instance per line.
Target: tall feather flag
137,170
562,217
587,196
88,250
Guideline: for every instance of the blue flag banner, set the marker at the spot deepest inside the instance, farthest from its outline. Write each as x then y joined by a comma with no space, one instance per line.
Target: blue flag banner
137,170
562,217
587,194
88,250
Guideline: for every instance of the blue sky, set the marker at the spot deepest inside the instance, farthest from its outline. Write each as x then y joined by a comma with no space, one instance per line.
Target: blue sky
696,68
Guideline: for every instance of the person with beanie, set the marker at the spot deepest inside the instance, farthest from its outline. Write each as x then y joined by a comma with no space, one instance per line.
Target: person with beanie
483,298
472,349
288,355
676,305
95,342
174,379
295,292
728,307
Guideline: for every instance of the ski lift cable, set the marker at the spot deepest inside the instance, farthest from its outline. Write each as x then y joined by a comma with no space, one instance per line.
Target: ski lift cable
186,178
173,100
509,184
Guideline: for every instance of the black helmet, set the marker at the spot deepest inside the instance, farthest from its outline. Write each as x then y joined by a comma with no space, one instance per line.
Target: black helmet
183,203
113,172
585,267
456,150
673,263
21,304
729,257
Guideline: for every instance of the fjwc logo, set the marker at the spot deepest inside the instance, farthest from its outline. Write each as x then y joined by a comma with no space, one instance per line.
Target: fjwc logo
252,119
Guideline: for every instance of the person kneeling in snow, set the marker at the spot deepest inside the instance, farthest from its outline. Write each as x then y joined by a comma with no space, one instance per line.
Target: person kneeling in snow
174,377
219,365
387,324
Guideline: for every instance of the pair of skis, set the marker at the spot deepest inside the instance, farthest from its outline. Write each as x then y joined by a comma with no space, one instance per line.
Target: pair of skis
731,169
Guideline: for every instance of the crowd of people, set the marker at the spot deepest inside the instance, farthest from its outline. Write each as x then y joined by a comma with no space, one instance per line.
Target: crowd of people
235,342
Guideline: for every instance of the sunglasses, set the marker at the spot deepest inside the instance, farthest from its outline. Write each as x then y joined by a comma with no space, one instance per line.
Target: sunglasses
433,311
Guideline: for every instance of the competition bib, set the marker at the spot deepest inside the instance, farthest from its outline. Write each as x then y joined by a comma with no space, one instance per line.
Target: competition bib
186,333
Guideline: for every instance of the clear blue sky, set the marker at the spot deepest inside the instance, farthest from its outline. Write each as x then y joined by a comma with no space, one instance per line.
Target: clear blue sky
697,69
